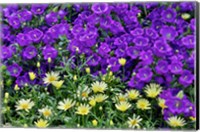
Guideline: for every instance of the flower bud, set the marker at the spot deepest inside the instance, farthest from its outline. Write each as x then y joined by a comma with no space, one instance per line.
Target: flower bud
94,122
38,64
87,69
122,61
49,60
16,88
32,75
6,95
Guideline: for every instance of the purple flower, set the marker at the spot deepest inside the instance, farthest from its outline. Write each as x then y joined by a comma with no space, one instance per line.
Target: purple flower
151,33
132,52
188,41
21,80
146,57
175,105
141,42
161,48
168,33
168,15
176,67
186,78
5,53
14,70
24,15
94,61
120,52
135,83
23,39
114,64
14,21
35,35
100,8
144,74
137,32
104,49
38,9
29,52
161,67
51,18
49,52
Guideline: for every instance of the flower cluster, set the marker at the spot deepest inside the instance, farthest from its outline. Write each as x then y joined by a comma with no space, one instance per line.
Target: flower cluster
86,60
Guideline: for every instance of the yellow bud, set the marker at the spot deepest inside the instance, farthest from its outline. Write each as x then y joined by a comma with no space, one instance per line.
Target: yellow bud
87,69
185,16
58,84
6,95
110,73
5,101
192,118
92,103
100,108
49,60
75,77
25,125
122,61
111,123
26,84
16,87
38,64
32,75
7,108
94,122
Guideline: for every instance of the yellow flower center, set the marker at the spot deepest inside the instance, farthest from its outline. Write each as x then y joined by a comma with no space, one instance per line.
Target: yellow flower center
47,113
133,122
24,106
83,111
84,94
67,106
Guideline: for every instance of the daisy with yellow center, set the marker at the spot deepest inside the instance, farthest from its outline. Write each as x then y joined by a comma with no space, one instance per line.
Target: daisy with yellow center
51,77
83,92
24,104
41,123
123,106
133,94
46,112
143,104
100,98
134,122
66,104
83,109
58,84
32,75
92,101
153,90
99,87
122,97
161,103
175,121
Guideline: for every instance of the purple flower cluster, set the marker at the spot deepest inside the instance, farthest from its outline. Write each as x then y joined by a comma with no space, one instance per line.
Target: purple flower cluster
156,40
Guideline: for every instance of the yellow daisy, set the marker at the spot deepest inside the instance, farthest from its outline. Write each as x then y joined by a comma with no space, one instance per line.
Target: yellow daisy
123,106
58,84
24,104
100,98
92,101
133,94
134,122
143,104
175,121
99,87
83,92
41,123
66,104
153,90
83,109
51,77
46,112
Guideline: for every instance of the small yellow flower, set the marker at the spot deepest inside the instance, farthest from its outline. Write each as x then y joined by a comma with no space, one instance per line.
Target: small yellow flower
122,61
99,87
133,94
94,122
123,106
143,104
51,77
66,104
192,118
49,60
24,105
16,88
6,95
46,112
83,92
75,78
175,121
161,103
122,97
32,75
38,64
41,123
92,101
185,16
134,122
87,69
153,90
58,84
83,109
100,98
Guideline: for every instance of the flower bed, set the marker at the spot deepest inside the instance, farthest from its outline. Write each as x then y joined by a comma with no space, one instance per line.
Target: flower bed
99,65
